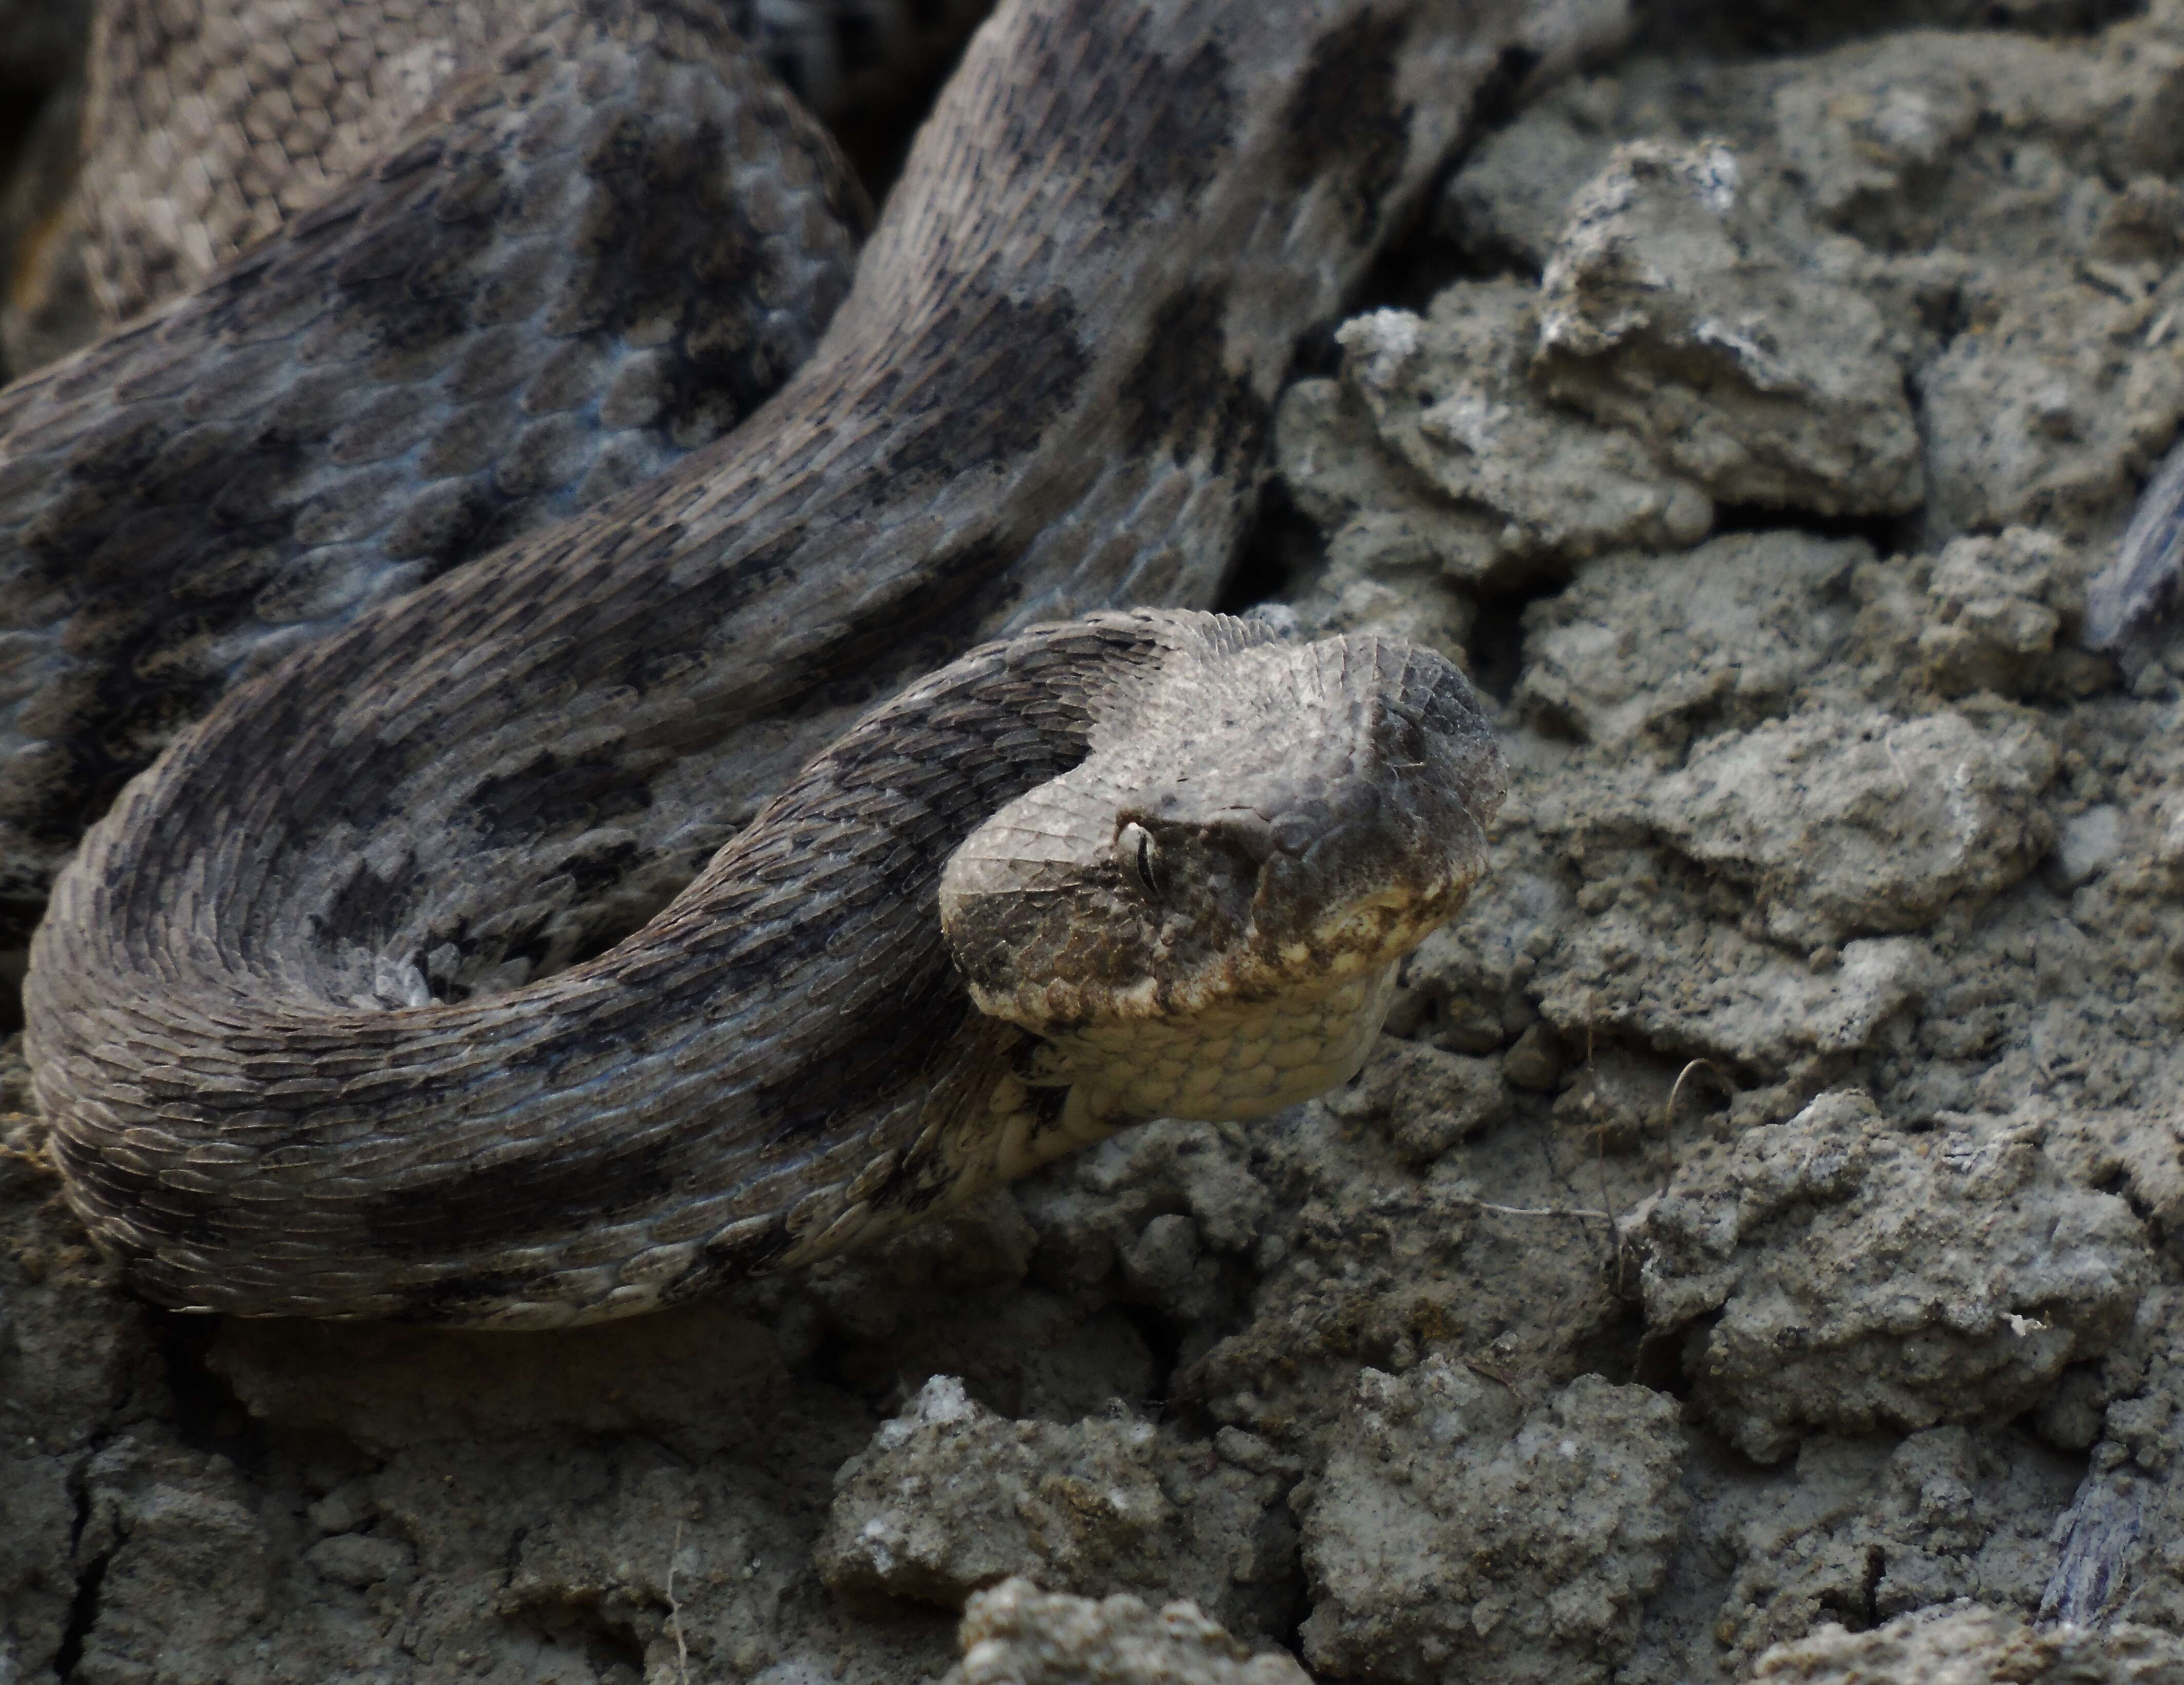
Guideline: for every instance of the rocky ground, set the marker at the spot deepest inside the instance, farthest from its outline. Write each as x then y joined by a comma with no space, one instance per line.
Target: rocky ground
1754,1251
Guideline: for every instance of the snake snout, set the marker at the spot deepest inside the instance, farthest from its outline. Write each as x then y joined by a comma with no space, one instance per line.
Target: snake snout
1204,917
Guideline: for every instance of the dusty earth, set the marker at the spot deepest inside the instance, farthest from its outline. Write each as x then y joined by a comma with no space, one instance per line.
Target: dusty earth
1754,1250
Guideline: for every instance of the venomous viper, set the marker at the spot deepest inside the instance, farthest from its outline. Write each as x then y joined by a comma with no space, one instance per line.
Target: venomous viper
496,950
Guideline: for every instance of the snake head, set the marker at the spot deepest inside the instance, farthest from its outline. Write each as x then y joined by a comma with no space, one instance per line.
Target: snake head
1204,917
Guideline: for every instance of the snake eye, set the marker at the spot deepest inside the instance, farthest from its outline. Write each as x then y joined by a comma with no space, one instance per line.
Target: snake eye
1138,855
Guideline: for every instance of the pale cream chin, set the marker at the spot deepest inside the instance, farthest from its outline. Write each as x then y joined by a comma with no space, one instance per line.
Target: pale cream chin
1227,1062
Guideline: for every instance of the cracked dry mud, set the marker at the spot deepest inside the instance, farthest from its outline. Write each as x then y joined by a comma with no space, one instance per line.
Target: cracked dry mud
1750,415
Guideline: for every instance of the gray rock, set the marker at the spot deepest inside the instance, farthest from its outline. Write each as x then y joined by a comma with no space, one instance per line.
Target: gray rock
2054,405
1709,989
1640,646
1016,1634
1972,1646
1863,823
2088,844
1432,449
1998,608
1426,1098
1835,1274
1667,309
1457,1536
359,1560
1868,1527
950,1499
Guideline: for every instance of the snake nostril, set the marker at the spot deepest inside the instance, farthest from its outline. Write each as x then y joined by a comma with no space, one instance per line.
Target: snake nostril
1293,833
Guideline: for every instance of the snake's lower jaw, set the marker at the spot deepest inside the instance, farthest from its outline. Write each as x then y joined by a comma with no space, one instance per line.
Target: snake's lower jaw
1276,1028
1225,1063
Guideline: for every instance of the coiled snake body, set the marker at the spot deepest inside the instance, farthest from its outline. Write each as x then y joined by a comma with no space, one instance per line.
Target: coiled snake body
492,959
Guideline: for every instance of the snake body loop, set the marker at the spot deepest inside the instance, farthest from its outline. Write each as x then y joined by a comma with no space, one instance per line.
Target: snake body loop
402,984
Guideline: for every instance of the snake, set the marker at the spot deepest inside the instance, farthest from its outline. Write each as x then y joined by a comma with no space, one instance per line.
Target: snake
838,817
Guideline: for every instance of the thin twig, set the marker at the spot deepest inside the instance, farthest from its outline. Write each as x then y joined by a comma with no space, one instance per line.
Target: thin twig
1668,1118
1599,1161
1494,1372
1531,1211
1600,1157
675,1610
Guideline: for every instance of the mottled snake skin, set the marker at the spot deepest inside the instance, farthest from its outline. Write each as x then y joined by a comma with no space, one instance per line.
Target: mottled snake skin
351,1005
604,252
209,126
